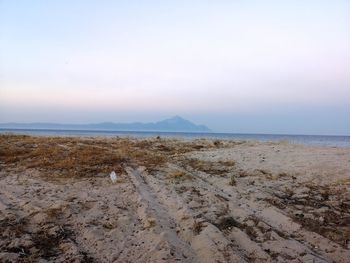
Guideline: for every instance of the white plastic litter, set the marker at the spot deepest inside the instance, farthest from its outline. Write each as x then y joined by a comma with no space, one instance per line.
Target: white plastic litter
113,176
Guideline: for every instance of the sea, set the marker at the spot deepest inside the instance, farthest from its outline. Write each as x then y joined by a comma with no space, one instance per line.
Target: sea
321,140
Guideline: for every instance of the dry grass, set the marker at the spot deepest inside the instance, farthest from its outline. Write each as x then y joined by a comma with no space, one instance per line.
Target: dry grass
227,222
220,168
60,157
345,181
44,243
232,181
333,222
197,227
259,173
178,176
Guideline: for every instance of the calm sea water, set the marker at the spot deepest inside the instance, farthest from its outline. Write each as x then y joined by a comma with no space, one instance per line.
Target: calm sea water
334,141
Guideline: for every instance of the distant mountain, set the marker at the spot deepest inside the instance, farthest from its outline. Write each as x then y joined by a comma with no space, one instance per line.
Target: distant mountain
172,124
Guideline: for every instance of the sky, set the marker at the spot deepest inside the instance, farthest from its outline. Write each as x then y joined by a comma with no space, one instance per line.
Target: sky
235,66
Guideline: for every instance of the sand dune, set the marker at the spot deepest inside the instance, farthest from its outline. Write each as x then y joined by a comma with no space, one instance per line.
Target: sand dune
174,201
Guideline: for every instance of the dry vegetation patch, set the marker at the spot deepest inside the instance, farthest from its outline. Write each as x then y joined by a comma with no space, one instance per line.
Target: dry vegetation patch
321,209
178,176
60,157
47,242
220,168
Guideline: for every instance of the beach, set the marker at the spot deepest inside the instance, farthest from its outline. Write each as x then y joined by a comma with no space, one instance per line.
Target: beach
200,200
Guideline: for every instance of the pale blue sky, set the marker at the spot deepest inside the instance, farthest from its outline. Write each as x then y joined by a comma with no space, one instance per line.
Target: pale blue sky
236,66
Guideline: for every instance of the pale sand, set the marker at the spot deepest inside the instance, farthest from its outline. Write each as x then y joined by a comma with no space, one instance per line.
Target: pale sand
241,202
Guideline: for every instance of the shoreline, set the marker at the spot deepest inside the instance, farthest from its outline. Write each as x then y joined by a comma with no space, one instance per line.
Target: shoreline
316,140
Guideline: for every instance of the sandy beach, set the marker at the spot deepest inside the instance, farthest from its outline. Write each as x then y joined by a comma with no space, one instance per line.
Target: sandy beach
174,200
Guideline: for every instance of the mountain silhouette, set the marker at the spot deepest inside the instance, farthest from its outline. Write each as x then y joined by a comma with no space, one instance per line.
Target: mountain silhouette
176,123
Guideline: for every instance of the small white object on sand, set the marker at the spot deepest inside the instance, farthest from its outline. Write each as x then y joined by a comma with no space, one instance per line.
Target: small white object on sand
113,176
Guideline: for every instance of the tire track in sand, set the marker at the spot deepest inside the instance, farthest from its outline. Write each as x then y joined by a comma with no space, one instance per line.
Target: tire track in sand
172,214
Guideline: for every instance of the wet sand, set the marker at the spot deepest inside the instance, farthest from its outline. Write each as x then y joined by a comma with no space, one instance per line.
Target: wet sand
174,201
